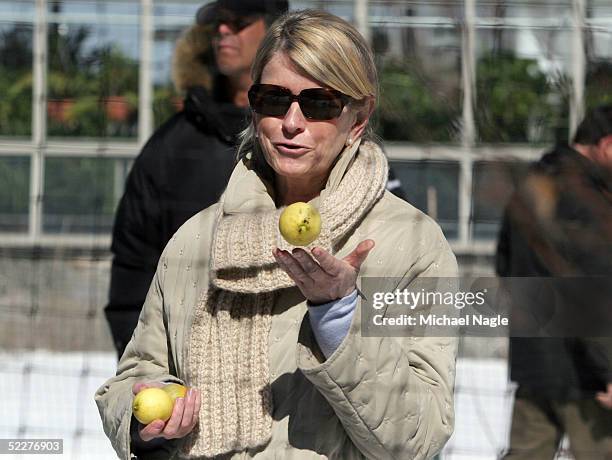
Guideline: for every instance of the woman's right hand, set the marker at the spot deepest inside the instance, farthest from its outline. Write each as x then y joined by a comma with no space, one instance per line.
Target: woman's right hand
182,421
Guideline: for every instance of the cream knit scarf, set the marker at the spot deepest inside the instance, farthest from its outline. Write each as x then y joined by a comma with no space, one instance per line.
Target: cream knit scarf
228,346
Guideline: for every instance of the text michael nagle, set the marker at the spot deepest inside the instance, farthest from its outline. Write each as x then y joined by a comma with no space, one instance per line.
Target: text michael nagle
440,320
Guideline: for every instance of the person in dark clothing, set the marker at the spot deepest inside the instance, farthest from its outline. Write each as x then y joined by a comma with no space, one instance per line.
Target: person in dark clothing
185,165
559,224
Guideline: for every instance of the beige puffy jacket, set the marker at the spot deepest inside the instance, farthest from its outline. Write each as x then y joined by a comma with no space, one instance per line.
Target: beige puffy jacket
374,397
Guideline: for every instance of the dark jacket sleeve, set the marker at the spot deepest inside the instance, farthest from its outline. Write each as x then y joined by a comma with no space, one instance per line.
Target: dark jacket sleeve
394,185
502,255
137,243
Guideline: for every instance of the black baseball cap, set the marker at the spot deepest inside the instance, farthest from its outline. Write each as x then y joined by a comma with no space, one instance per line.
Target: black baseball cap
207,13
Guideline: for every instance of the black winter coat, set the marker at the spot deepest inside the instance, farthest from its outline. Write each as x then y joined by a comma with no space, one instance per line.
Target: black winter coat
181,170
558,223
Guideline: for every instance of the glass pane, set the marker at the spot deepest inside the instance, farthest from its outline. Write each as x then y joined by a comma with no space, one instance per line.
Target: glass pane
93,69
599,9
81,194
529,9
522,85
15,76
420,97
97,10
433,187
171,20
399,10
14,193
493,183
598,42
11,10
342,8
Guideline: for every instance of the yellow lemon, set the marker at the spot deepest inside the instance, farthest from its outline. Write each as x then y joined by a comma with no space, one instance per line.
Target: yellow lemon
300,224
152,404
175,390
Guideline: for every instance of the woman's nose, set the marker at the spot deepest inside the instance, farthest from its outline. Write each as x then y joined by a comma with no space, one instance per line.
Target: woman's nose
294,121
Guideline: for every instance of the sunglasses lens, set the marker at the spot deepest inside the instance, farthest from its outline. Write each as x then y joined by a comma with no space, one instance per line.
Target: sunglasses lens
243,22
269,100
234,22
320,104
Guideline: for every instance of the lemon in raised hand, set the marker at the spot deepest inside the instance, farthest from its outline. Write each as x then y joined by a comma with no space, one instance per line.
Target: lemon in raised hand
300,224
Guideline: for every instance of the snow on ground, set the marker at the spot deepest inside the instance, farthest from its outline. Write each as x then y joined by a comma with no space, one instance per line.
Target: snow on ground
483,407
50,395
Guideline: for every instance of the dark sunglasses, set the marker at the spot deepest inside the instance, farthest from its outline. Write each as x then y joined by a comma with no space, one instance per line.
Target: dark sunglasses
315,103
235,22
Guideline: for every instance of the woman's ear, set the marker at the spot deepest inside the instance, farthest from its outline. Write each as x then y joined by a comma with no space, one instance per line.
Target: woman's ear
362,117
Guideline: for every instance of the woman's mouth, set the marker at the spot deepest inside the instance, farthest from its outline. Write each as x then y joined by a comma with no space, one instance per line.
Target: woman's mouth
291,149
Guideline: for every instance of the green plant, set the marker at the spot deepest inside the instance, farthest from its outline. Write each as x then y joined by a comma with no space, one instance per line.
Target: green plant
89,80
410,109
16,81
516,102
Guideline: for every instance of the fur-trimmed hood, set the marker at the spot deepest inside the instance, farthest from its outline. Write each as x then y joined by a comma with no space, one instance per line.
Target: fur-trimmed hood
194,75
193,60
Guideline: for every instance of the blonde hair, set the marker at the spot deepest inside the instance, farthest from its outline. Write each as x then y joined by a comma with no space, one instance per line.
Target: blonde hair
323,47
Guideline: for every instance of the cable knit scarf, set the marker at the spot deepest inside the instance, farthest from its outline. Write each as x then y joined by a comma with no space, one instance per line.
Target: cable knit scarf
228,355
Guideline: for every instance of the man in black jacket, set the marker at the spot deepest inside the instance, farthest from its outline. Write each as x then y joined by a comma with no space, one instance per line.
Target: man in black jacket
559,224
185,165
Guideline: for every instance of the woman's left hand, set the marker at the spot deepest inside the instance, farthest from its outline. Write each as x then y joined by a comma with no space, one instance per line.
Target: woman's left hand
324,278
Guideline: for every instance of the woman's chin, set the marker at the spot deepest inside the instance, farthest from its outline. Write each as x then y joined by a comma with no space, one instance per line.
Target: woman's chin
292,174
291,169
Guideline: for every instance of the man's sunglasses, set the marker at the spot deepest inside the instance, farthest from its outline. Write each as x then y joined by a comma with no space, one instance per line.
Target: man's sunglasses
235,22
315,103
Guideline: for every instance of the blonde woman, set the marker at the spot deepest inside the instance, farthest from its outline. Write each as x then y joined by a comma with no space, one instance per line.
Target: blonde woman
267,336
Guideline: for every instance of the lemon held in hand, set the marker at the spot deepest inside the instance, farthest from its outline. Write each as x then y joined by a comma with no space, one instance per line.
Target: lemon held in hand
300,224
152,404
175,390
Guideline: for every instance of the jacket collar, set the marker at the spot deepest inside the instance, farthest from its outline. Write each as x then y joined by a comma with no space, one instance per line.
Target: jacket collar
226,119
248,192
565,160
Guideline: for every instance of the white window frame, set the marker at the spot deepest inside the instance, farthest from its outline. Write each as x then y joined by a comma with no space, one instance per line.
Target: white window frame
40,147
